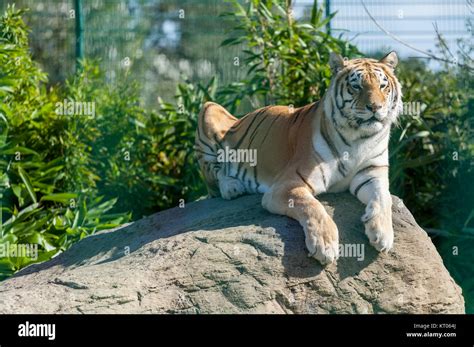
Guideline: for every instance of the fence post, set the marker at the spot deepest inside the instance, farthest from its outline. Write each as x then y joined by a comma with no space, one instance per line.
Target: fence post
79,34
327,6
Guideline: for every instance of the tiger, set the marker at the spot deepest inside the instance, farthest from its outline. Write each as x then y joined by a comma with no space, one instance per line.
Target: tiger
336,144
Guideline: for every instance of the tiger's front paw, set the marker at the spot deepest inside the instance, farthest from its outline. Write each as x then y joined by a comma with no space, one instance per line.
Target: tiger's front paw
230,188
322,240
378,225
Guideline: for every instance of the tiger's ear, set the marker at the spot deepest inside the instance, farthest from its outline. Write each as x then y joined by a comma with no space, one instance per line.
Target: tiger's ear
390,59
336,62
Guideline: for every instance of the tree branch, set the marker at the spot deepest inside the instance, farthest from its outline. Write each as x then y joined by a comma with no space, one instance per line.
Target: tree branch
428,54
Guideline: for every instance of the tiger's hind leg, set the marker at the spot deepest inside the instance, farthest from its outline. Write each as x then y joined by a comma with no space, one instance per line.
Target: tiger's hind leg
213,123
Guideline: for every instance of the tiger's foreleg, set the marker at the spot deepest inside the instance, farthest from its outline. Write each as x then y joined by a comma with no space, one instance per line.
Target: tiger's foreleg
229,187
371,187
297,202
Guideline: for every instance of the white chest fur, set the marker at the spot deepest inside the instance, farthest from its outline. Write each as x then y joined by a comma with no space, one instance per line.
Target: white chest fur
341,162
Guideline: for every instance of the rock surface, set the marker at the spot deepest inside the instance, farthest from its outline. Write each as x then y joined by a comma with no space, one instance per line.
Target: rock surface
216,256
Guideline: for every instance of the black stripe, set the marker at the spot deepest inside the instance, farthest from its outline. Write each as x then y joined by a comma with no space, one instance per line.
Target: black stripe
255,130
250,143
344,87
342,137
238,124
338,85
217,141
337,130
201,140
367,181
305,182
323,176
216,168
339,94
198,128
303,111
340,165
205,144
344,101
341,168
365,137
255,179
318,156
378,155
236,127
268,131
295,117
394,96
239,166
371,167
244,175
325,135
248,128
204,152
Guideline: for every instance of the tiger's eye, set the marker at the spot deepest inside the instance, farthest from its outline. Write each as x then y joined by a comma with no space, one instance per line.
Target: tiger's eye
355,86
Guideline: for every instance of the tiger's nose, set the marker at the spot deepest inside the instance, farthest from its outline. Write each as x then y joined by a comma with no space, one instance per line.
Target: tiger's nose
373,107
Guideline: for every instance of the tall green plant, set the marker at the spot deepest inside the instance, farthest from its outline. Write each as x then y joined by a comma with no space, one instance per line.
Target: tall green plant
287,59
432,166
36,210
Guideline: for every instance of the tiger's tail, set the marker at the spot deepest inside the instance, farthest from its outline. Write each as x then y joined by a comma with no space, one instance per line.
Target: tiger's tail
213,123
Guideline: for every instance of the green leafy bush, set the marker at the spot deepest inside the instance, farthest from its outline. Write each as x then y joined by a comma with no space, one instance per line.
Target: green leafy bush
36,208
431,158
144,158
65,176
287,59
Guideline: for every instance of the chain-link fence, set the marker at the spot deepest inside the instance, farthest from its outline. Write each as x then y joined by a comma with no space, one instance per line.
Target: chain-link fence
162,42
413,22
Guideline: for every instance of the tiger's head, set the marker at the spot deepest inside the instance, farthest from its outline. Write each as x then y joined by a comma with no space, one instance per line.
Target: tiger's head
365,94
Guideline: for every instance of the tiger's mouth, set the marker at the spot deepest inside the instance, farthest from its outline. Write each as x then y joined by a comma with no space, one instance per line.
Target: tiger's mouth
371,120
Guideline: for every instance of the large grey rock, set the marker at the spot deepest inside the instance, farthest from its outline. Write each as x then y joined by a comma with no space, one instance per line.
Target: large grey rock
216,256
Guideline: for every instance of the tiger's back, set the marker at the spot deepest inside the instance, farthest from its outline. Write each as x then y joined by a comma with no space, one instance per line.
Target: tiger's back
252,150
